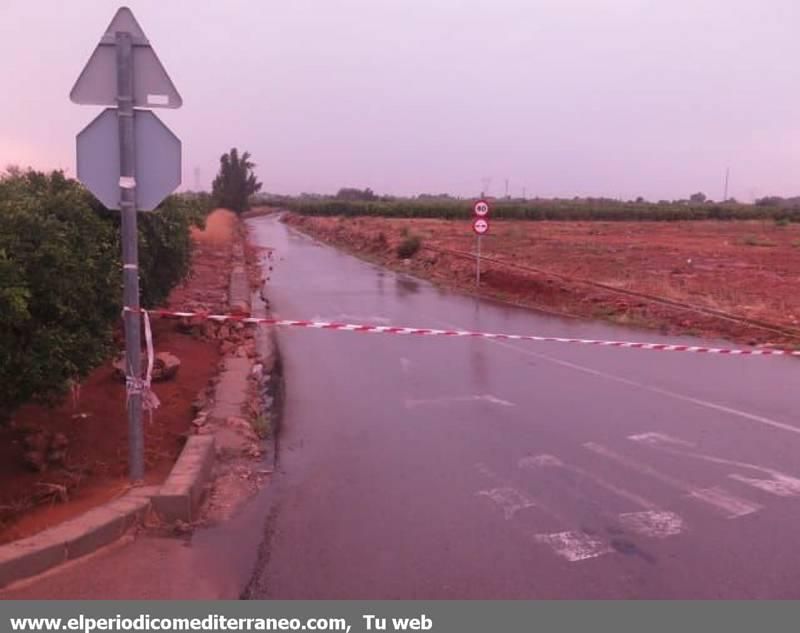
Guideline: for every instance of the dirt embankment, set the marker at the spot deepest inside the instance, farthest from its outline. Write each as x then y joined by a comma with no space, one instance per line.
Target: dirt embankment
748,269
91,466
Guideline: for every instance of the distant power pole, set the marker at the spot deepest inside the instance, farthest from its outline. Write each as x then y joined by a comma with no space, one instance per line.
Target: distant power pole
486,182
727,175
506,187
524,191
197,179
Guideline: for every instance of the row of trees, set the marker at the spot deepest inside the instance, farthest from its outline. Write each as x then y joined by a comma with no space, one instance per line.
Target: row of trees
567,210
60,278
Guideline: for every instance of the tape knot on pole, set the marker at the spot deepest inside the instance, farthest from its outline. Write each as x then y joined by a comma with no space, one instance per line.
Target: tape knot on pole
142,386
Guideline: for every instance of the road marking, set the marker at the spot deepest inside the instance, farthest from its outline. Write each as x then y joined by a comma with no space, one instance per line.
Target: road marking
574,546
501,483
653,523
639,385
550,460
445,400
510,500
655,439
405,365
779,483
721,500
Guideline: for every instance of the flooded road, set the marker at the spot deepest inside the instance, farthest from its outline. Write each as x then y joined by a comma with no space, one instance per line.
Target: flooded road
417,467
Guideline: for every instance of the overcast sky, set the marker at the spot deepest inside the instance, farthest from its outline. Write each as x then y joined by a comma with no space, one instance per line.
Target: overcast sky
617,98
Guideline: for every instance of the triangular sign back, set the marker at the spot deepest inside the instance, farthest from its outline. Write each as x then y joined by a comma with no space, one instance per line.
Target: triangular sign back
97,83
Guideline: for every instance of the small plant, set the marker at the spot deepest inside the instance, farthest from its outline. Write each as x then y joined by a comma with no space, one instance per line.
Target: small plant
784,221
409,247
752,240
261,425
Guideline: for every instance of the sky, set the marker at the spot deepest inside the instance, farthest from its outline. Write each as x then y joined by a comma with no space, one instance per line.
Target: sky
562,98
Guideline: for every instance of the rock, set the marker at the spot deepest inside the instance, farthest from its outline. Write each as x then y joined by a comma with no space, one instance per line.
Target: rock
226,347
199,421
38,441
209,329
57,457
35,460
185,325
59,441
199,403
242,426
165,366
253,450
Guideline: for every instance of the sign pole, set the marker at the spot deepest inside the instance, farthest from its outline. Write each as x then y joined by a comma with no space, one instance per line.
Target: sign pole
130,253
478,264
113,76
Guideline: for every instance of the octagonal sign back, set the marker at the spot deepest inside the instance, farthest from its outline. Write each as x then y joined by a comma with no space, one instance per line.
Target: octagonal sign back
158,159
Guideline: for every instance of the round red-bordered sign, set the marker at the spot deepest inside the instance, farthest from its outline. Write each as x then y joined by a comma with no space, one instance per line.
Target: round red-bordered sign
481,208
480,226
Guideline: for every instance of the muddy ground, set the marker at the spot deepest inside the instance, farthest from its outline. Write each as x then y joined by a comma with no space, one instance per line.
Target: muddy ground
94,424
751,269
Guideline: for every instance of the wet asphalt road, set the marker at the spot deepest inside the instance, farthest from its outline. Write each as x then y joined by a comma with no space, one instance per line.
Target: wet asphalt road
416,467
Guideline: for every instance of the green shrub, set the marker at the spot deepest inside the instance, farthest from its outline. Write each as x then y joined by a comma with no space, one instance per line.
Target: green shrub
409,246
61,278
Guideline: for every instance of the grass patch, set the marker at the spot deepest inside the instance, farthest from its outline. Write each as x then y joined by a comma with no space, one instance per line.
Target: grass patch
261,425
752,240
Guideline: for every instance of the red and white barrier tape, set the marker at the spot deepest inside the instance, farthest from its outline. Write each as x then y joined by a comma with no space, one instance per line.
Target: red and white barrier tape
387,329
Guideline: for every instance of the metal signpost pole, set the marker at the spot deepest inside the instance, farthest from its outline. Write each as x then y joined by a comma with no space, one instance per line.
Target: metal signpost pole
130,253
478,264
124,71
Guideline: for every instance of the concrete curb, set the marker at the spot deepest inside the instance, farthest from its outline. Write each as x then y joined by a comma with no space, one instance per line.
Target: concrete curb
180,496
178,499
238,291
74,538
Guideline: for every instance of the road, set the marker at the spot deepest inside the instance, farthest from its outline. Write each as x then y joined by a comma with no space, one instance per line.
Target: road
422,467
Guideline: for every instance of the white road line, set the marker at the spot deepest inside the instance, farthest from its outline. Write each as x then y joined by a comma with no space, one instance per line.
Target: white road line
655,439
652,522
729,504
550,460
721,500
405,365
779,483
639,385
445,400
574,546
663,392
